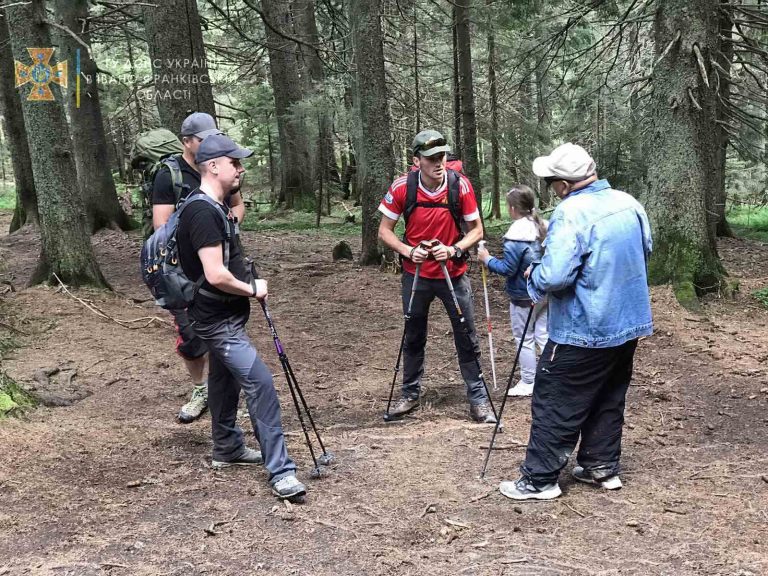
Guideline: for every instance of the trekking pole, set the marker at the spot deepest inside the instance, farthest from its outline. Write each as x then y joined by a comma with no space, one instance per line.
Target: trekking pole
488,319
406,317
296,394
463,322
504,400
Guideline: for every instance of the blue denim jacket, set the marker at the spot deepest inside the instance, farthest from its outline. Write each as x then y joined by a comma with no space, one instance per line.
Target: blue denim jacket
594,269
521,249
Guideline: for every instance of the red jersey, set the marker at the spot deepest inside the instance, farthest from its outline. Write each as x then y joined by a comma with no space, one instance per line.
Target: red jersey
430,223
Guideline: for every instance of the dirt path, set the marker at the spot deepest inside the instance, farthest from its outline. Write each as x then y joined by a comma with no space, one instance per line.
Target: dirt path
111,484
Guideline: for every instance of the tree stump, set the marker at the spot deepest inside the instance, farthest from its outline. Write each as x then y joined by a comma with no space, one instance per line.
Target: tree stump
342,251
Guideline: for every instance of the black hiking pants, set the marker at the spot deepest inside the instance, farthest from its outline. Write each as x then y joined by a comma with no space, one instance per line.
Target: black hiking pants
464,334
578,392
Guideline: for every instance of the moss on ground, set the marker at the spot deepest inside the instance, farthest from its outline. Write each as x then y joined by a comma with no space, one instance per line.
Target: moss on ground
13,399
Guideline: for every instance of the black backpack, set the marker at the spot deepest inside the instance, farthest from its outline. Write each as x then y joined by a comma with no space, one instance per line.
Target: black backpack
160,266
454,190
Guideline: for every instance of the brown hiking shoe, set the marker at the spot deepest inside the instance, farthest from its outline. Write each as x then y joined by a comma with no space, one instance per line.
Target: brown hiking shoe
402,407
482,413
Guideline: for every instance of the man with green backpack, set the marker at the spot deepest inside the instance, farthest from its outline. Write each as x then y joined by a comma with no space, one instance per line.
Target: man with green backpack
169,175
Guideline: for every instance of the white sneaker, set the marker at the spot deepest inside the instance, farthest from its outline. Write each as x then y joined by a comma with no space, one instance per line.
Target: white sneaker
288,488
521,389
610,483
523,489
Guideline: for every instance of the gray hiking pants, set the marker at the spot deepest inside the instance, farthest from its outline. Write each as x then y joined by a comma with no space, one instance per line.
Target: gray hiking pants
234,364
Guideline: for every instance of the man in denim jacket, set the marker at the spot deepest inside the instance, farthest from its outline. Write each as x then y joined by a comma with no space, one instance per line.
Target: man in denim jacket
594,274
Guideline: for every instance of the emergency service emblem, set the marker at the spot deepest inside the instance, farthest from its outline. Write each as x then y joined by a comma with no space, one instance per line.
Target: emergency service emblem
41,74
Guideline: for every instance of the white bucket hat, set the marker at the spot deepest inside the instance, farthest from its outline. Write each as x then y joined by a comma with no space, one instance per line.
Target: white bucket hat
568,161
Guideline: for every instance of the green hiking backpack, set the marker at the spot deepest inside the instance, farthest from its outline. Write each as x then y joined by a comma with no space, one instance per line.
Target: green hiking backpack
151,151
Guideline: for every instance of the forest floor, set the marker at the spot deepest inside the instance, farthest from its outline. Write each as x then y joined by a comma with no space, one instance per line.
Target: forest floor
112,484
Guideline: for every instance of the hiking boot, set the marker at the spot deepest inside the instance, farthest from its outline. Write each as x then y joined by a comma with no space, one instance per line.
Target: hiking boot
524,489
403,406
249,457
585,476
521,389
197,404
482,413
289,488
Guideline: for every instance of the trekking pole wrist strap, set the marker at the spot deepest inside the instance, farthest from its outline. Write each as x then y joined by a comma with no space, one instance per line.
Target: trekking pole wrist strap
410,255
253,287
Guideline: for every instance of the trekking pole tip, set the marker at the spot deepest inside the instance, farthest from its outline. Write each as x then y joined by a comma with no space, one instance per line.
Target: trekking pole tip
315,473
326,459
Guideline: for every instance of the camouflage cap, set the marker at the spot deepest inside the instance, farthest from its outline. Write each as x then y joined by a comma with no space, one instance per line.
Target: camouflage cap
429,143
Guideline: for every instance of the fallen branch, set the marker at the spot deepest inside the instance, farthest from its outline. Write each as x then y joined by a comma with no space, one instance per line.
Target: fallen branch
571,508
124,323
12,329
482,496
330,525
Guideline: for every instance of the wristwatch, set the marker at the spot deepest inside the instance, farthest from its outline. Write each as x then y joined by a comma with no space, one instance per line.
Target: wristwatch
458,252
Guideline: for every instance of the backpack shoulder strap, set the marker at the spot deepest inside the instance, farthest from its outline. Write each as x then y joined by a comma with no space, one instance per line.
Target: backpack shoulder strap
177,180
454,194
219,211
411,190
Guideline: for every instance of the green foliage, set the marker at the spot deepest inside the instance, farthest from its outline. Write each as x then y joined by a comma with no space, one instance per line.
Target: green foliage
7,196
13,399
749,222
301,221
761,296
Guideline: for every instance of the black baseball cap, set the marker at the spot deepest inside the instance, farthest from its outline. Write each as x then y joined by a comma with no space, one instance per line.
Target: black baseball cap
218,145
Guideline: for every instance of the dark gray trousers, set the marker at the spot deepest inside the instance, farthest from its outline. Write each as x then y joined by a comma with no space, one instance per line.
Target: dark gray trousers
234,364
578,392
464,335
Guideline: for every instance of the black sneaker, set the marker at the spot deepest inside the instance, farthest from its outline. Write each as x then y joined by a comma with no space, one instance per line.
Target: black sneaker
585,476
524,489
249,457
402,407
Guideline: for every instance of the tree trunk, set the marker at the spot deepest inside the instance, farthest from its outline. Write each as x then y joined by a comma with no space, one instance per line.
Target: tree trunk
543,135
134,87
90,144
680,150
416,95
66,248
724,58
495,159
10,108
306,29
468,122
296,161
177,53
375,160
458,147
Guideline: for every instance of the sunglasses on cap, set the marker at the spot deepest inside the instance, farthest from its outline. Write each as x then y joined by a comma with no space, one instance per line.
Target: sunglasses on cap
429,144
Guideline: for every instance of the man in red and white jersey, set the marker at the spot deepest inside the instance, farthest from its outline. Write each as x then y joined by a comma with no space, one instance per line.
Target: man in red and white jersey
436,204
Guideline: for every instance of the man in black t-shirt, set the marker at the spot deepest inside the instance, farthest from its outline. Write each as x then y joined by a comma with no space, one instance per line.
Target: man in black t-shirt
194,129
219,313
